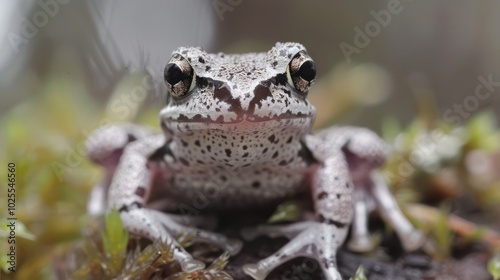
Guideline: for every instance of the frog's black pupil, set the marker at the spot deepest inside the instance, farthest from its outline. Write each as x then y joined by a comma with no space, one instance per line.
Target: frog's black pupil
307,71
173,73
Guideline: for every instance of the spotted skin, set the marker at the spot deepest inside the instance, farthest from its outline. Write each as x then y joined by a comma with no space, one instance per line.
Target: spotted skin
236,134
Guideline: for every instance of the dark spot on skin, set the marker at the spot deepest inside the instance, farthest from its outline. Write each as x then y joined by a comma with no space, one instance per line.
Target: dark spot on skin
244,147
184,161
131,138
347,184
207,68
126,208
140,191
201,60
261,92
283,162
223,94
271,138
338,196
256,184
289,140
245,155
200,161
160,153
280,79
306,155
322,195
275,155
228,152
335,178
328,263
184,143
275,63
195,118
223,178
322,219
209,148
197,143
264,151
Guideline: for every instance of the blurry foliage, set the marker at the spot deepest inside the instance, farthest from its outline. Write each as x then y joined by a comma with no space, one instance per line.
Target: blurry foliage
494,267
44,138
435,162
439,159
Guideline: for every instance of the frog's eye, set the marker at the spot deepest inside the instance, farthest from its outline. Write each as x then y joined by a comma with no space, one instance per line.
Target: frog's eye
179,76
301,72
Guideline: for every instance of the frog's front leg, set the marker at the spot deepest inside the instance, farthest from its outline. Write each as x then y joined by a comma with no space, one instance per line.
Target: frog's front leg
319,239
129,189
105,147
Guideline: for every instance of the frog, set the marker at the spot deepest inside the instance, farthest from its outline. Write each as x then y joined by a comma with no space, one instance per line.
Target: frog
236,133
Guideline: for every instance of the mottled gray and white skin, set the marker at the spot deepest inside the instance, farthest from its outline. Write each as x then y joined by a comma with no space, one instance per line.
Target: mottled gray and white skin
236,134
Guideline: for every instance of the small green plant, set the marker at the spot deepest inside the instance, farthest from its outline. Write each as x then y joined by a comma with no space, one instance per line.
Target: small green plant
114,240
359,274
494,266
287,212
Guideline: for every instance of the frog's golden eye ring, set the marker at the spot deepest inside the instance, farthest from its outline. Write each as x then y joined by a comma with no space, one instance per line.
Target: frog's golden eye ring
179,76
301,72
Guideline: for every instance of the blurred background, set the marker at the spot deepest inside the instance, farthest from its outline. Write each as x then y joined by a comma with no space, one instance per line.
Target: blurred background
397,67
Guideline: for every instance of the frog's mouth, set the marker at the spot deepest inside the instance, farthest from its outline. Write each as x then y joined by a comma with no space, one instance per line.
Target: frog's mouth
250,123
198,118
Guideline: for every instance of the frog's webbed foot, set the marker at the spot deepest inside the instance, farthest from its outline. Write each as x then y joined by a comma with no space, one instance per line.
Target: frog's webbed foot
143,222
156,225
312,239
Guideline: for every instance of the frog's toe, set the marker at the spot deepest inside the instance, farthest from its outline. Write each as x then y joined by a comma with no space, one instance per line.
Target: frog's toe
233,246
318,241
254,271
249,234
413,240
360,244
190,265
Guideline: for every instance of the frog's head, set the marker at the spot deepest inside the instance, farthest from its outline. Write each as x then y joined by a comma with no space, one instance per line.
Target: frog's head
248,90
